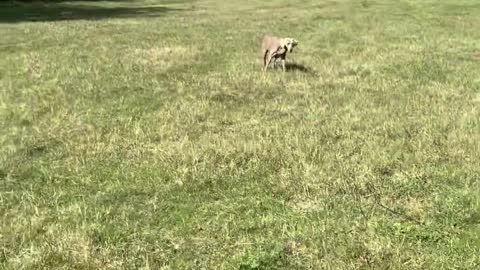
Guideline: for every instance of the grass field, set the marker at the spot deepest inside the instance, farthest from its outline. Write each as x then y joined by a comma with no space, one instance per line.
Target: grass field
143,135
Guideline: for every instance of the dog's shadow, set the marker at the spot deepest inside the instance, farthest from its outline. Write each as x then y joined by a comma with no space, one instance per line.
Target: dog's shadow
297,67
294,67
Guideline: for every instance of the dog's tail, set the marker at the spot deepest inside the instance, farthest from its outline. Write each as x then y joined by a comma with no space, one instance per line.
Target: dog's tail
265,54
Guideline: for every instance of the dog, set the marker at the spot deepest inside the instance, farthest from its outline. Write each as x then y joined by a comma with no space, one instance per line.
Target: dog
276,48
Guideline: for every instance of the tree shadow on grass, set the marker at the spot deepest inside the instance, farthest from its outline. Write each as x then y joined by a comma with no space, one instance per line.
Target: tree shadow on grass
15,12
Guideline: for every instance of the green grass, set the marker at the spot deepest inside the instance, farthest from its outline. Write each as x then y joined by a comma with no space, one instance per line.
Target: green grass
144,135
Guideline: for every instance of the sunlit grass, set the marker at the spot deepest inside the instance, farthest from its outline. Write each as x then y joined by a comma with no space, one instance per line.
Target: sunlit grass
150,138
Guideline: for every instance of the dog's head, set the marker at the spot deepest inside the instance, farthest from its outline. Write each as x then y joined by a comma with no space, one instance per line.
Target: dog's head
289,44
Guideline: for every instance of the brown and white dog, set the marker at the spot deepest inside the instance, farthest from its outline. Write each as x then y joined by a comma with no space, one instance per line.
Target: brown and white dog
275,48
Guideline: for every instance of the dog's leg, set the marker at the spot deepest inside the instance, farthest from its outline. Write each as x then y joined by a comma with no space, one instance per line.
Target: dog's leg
283,62
268,61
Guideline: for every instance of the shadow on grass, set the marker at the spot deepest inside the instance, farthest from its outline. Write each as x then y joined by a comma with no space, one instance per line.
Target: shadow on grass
297,67
15,12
